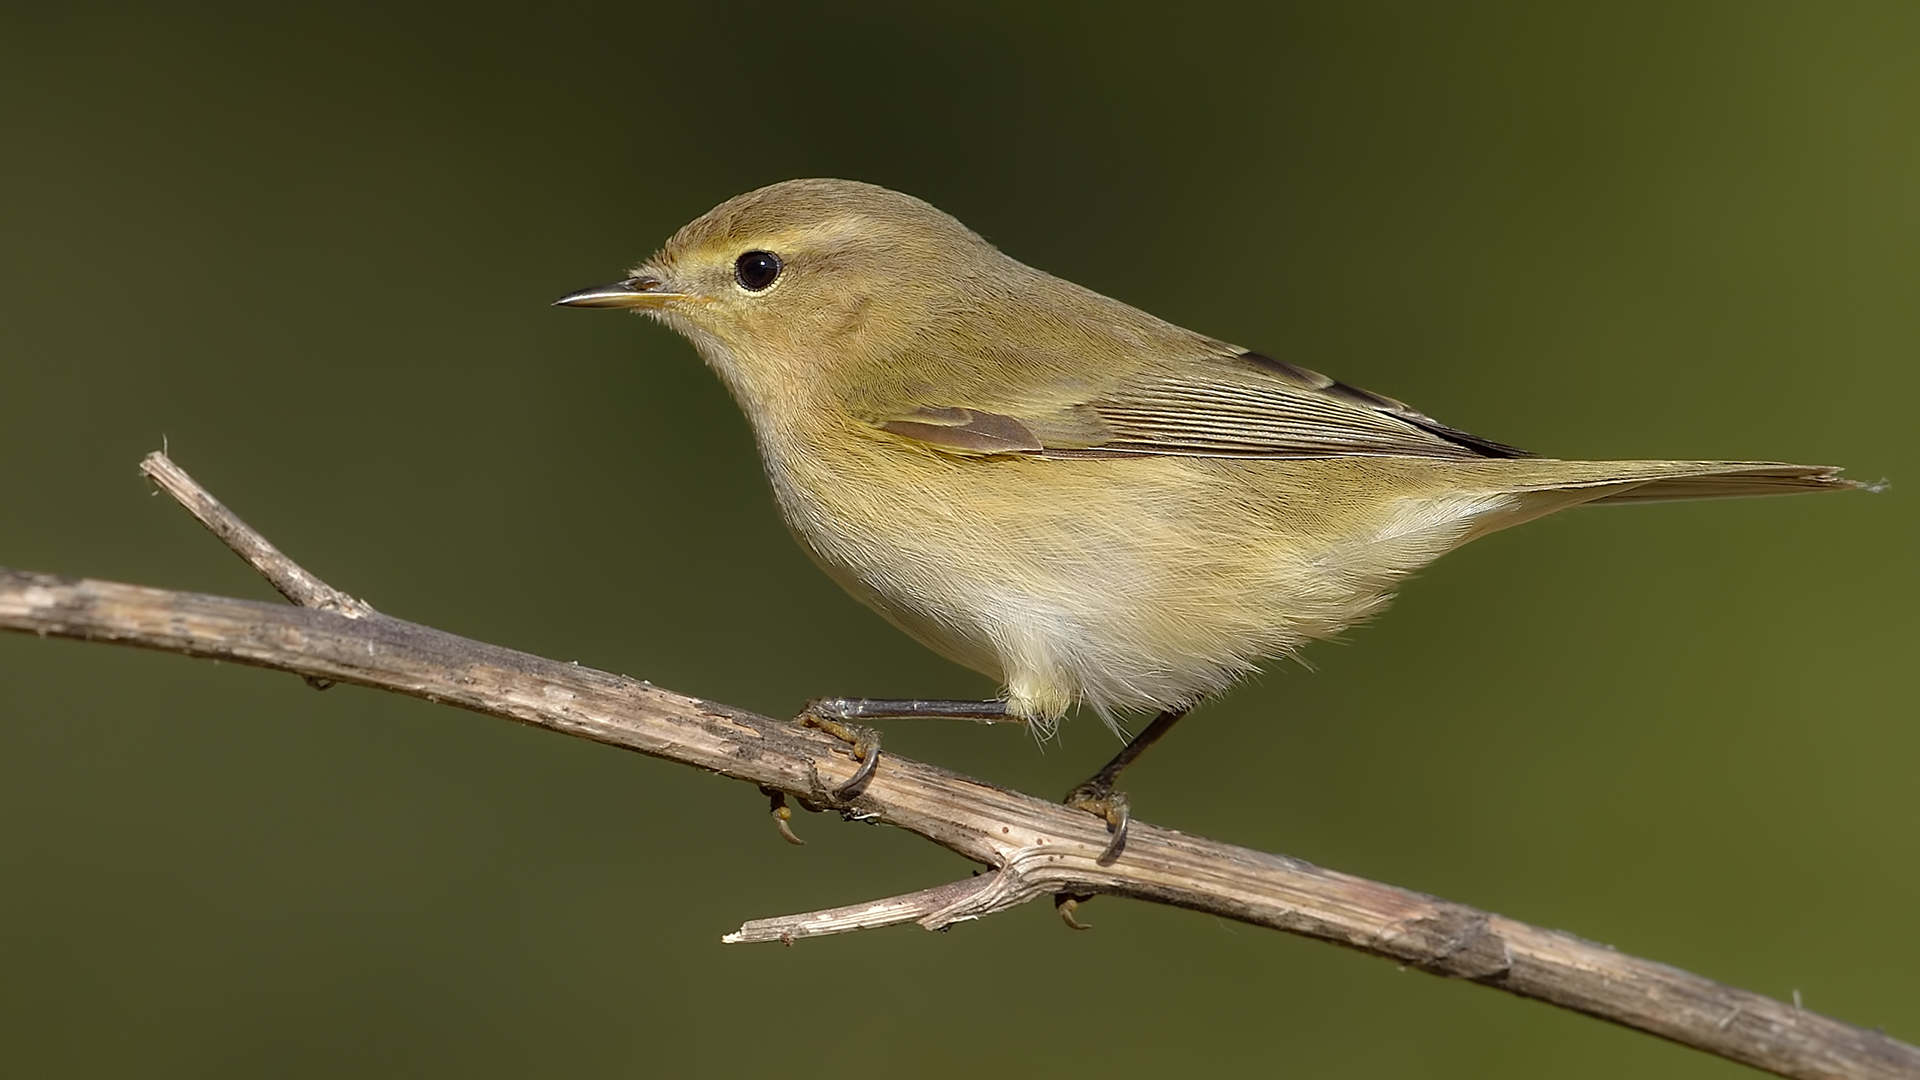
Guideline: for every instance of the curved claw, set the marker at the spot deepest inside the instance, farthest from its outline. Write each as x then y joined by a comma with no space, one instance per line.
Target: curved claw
864,740
1066,905
868,751
781,814
1118,817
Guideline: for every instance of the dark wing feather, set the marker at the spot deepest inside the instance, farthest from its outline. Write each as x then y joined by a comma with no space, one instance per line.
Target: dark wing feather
1378,403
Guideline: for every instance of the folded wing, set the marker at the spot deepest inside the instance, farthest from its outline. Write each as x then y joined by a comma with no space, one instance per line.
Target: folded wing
1232,404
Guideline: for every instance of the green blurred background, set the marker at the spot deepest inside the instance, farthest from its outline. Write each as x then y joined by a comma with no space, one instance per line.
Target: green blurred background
312,248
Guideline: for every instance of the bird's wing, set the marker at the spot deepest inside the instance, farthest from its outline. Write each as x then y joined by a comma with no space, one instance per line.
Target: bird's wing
1233,404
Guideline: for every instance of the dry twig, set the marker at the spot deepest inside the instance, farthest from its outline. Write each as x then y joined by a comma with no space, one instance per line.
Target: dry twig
1032,847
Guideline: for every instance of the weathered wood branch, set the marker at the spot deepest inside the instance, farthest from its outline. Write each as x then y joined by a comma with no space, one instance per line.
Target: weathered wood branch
1032,847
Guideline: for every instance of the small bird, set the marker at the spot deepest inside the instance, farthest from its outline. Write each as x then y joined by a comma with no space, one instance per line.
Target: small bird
1085,502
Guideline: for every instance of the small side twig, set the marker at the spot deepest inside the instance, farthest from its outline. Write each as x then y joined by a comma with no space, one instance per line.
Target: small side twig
288,577
936,909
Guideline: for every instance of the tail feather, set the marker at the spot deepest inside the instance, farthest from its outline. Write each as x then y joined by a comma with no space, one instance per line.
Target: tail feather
1541,486
1723,479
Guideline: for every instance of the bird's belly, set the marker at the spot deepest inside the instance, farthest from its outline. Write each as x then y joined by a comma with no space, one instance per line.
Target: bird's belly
1126,585
1074,624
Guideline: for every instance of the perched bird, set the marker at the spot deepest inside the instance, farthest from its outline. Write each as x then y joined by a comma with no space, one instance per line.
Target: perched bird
1049,486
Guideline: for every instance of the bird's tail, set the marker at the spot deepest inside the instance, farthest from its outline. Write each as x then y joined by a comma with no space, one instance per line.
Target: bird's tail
1721,479
1543,486
1642,481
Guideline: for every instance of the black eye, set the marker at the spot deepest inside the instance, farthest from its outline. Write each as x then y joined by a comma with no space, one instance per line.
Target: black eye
756,270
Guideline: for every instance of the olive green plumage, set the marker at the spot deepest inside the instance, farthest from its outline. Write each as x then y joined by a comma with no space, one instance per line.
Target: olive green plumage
1060,490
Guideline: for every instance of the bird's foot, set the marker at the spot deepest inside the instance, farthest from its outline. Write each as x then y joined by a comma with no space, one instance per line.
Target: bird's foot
1098,798
865,742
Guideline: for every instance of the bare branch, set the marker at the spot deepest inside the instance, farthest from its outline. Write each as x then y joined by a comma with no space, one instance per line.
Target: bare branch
1032,847
288,577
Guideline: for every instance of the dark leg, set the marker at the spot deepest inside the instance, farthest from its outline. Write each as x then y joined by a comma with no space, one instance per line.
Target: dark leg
835,715
840,708
1097,795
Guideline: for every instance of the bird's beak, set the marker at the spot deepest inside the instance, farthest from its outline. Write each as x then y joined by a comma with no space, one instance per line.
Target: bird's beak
644,292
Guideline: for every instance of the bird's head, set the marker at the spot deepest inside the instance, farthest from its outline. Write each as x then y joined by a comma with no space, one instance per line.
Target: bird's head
807,282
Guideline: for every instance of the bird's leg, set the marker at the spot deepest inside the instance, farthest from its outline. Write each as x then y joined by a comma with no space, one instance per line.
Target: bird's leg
835,716
1097,796
982,712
